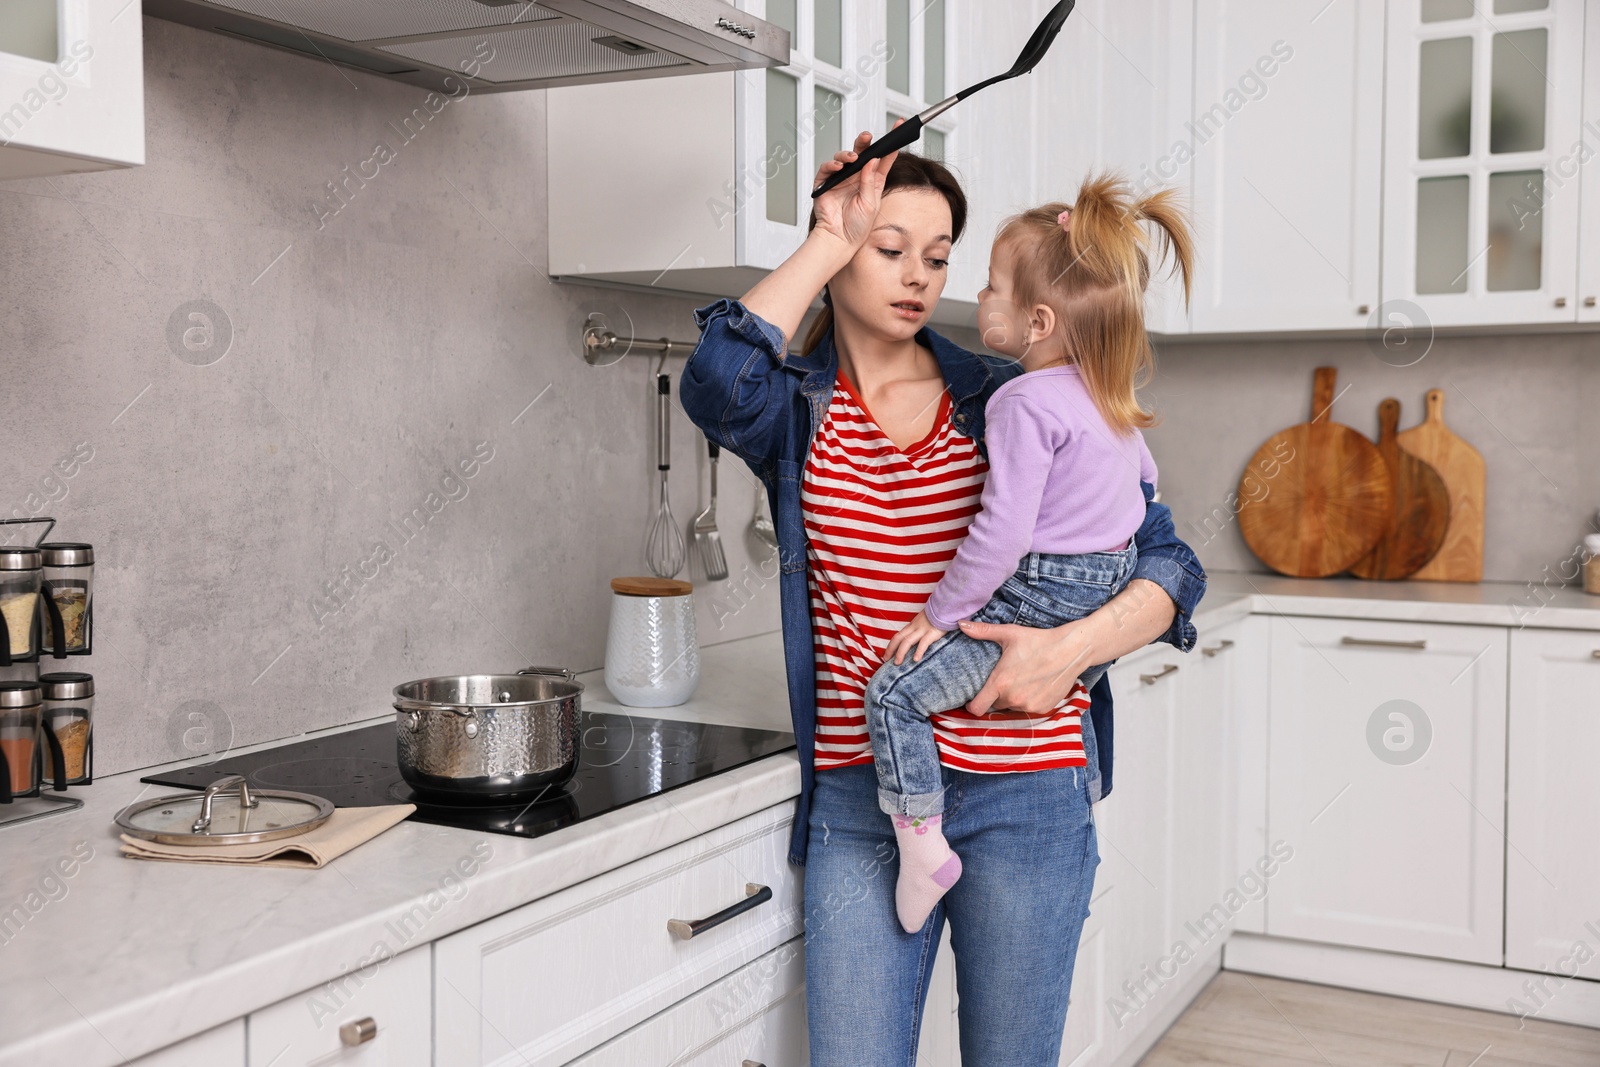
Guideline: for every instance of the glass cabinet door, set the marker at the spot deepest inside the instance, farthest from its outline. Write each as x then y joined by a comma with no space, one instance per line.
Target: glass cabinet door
1481,201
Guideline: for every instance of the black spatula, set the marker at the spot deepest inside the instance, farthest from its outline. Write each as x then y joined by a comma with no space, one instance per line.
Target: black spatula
908,131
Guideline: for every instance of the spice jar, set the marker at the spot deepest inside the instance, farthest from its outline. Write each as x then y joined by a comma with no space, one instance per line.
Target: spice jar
1591,566
69,715
20,707
20,577
68,587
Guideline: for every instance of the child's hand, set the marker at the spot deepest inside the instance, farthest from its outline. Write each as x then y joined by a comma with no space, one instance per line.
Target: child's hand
919,633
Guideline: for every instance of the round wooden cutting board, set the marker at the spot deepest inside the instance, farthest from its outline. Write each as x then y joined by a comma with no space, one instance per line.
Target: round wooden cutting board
1327,500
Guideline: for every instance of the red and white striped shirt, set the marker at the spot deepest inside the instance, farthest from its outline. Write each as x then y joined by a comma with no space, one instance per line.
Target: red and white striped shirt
881,526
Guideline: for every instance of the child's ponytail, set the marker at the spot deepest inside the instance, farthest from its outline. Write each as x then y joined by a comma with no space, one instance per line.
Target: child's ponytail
1090,263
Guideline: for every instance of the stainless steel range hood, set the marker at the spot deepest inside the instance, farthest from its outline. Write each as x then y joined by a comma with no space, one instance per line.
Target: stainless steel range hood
499,45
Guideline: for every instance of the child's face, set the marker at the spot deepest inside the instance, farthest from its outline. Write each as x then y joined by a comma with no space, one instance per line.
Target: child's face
1003,325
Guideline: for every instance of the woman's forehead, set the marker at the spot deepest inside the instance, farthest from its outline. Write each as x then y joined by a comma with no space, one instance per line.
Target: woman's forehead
920,214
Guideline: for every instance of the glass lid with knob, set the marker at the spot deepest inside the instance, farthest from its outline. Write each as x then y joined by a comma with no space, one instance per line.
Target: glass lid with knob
229,812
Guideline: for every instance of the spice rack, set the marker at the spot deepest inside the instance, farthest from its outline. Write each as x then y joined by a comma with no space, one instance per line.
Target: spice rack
46,720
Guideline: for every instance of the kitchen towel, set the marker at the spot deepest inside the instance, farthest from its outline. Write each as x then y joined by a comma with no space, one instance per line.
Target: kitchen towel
345,829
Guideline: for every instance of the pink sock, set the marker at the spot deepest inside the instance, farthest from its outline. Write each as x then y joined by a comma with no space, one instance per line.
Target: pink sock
927,868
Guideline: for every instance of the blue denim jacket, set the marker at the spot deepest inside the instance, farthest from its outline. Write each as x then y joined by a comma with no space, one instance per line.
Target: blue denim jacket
765,406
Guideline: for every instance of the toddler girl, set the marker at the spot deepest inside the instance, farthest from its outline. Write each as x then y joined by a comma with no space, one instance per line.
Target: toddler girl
1061,503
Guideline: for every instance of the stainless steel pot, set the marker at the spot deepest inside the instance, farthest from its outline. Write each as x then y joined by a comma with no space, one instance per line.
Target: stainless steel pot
488,736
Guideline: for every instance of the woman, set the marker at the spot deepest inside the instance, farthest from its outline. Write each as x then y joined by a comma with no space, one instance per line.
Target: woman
870,446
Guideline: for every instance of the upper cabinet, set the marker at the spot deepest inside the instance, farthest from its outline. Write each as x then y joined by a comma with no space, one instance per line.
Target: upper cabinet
71,87
1286,140
1484,138
1115,94
1589,196
717,187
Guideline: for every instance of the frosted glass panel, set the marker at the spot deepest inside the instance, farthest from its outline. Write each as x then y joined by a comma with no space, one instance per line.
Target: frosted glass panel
783,111
28,28
782,13
899,69
932,145
933,51
1444,109
1445,10
1511,7
1442,235
1516,230
1516,91
829,119
830,32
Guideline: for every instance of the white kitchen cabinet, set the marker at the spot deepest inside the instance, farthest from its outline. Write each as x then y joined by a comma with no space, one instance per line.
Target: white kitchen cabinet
378,1014
1589,181
716,189
1387,780
1553,803
1244,673
1287,142
553,979
1483,124
757,1014
222,1046
71,87
1115,94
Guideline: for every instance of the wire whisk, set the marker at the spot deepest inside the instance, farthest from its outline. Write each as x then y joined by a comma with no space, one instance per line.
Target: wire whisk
665,550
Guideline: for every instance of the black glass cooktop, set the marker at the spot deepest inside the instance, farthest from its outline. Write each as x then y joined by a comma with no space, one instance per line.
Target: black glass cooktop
625,758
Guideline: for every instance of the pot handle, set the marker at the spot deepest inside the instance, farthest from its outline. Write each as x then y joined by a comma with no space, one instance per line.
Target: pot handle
559,672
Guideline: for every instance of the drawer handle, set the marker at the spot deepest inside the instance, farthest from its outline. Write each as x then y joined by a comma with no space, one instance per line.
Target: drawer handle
752,1063
1152,679
359,1032
1222,646
1595,654
1374,642
755,895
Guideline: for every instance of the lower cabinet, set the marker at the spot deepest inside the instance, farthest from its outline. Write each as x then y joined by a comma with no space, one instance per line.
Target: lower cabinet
756,1015
1553,804
377,1014
1386,779
548,982
221,1047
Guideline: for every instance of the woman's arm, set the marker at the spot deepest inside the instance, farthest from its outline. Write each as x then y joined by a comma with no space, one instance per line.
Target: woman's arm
844,219
1038,667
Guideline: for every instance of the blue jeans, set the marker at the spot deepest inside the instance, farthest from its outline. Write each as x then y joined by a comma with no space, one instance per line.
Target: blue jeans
1027,846
1046,591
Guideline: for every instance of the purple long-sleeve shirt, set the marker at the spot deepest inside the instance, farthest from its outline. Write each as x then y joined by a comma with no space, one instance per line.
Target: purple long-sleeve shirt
1060,482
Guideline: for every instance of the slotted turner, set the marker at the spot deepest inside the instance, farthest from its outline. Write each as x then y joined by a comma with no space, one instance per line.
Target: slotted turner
707,540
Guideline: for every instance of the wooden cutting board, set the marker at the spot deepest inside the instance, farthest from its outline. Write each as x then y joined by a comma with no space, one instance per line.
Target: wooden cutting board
1460,558
1421,509
1316,497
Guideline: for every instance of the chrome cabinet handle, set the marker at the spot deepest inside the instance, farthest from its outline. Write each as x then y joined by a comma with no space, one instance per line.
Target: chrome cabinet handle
754,896
1374,642
1222,646
1152,679
752,1063
358,1032
1595,654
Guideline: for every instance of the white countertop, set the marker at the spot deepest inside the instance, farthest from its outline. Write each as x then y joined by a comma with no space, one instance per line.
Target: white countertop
126,956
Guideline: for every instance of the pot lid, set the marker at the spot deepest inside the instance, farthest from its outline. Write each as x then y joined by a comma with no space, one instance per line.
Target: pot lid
229,812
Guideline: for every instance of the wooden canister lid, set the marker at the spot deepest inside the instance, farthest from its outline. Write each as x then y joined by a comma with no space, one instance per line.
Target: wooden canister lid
650,587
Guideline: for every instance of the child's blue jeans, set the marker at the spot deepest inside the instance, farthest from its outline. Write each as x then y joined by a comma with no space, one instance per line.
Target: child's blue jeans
1046,591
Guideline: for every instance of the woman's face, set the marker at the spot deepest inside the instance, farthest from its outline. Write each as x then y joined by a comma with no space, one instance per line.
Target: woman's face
894,281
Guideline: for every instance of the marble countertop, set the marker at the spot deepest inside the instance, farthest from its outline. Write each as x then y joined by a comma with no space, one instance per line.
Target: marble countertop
120,957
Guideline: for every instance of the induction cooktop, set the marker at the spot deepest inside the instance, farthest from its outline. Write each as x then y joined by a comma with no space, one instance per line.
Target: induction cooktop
624,759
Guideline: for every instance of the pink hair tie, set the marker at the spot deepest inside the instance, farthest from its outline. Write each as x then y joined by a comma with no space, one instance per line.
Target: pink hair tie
1064,218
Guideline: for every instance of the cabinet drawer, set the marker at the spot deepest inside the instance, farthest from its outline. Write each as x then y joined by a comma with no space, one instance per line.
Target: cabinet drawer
392,994
756,1015
219,1047
551,980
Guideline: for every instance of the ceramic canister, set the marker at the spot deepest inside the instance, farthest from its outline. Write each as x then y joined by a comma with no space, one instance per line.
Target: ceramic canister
652,656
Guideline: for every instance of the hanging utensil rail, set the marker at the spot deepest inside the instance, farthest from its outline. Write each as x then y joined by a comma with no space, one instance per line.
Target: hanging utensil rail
599,342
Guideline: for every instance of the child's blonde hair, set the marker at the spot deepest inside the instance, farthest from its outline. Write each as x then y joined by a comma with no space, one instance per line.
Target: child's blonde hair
1092,272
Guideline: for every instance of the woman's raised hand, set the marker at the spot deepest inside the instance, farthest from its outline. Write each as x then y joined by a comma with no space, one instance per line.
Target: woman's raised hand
848,210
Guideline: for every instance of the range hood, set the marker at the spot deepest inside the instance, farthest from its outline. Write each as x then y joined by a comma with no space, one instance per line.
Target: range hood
499,45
